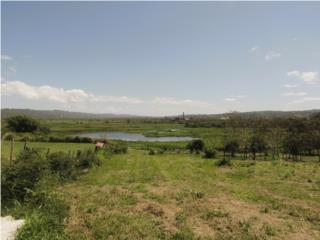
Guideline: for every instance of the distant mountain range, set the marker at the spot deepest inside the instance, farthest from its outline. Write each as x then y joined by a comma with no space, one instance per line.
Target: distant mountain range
262,114
59,114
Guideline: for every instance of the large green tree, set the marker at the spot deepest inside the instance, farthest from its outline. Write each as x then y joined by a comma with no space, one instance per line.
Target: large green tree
22,124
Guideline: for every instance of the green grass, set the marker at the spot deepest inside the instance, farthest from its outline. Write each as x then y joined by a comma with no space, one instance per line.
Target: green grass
44,146
183,196
111,125
156,129
177,195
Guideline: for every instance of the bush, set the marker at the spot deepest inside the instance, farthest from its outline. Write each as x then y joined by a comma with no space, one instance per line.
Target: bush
152,152
223,162
195,145
22,124
210,153
231,146
61,164
55,139
45,130
86,159
25,172
116,147
86,140
70,139
161,151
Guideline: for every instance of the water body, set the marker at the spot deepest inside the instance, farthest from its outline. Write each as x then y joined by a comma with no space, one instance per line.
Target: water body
133,137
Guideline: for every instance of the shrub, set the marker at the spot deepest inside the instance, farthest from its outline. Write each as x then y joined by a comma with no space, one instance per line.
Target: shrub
231,146
223,162
70,139
61,164
55,139
86,140
210,153
152,152
25,172
116,147
161,151
257,144
22,124
86,159
195,145
45,129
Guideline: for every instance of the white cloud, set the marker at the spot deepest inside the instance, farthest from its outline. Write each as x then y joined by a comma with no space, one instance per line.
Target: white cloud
254,49
60,95
289,94
118,99
306,99
6,57
272,55
293,73
291,85
79,97
230,99
308,77
234,98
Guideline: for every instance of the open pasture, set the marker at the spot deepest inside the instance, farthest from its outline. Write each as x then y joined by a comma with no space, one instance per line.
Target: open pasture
183,196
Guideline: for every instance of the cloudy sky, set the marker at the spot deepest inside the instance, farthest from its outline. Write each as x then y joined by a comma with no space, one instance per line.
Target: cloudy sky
160,58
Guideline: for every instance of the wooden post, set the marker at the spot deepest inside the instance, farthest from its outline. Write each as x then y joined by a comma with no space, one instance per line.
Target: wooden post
11,151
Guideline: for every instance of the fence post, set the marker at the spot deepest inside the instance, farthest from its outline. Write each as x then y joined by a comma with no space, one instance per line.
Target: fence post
11,150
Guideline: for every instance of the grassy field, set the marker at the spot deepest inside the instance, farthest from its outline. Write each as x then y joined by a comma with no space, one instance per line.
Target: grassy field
183,196
135,126
177,195
73,126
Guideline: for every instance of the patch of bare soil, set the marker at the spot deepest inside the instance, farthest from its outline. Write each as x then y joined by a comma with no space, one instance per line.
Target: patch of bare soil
164,212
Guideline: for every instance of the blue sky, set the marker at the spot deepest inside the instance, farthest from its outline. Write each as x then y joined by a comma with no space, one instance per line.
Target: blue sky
160,58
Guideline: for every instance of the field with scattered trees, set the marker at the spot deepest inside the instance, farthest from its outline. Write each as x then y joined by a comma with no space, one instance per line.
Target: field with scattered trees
242,177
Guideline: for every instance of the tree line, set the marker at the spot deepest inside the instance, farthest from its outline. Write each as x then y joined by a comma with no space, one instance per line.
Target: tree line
250,138
289,138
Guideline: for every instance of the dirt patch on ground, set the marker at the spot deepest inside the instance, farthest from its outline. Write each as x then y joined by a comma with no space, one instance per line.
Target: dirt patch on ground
164,212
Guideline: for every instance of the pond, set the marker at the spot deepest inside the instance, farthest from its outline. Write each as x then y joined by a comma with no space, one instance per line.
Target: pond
133,137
